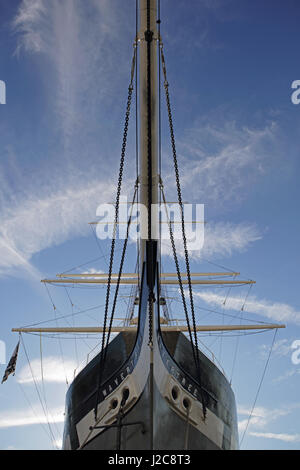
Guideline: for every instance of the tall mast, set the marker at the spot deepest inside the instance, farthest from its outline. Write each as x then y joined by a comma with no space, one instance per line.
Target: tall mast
148,92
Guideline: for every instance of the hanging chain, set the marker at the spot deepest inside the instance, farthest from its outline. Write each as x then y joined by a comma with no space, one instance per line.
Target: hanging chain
178,271
113,242
186,255
148,39
120,269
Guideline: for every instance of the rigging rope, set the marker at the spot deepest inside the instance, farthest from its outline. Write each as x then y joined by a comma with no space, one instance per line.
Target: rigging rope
259,387
120,271
43,387
59,339
186,255
39,395
184,302
120,177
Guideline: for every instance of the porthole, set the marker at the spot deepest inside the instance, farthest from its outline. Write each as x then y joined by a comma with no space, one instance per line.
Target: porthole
186,403
175,393
114,403
125,394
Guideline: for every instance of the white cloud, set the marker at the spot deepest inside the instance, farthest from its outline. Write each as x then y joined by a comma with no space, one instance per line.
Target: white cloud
30,13
54,202
262,418
54,371
66,32
220,161
37,222
277,311
278,436
220,239
280,348
93,271
28,417
287,375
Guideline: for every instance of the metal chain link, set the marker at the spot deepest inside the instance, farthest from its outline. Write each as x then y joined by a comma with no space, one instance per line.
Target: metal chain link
178,272
113,242
148,38
186,255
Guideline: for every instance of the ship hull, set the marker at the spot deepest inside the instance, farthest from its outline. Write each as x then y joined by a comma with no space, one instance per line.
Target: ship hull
150,396
171,428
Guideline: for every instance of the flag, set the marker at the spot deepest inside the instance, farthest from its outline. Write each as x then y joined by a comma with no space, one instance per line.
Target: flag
11,367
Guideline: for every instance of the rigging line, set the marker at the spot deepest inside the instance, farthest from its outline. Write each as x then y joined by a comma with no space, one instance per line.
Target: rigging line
183,300
39,395
75,341
259,387
234,335
112,251
235,352
186,254
223,311
238,338
87,336
226,314
43,426
119,276
218,265
94,229
59,339
221,266
43,388
63,317
246,298
237,314
100,248
134,292
121,270
98,243
84,264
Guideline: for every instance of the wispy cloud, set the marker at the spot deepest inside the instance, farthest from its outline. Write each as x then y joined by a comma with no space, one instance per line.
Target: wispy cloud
277,436
220,240
261,416
37,223
76,38
28,417
280,348
53,202
261,420
221,160
54,371
277,311
287,375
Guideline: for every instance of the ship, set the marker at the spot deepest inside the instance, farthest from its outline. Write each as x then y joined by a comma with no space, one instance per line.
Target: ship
151,386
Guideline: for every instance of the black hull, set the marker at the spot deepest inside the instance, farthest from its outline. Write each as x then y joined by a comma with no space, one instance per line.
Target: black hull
163,419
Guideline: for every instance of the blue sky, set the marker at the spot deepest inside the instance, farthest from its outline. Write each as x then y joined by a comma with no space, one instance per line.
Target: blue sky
66,65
